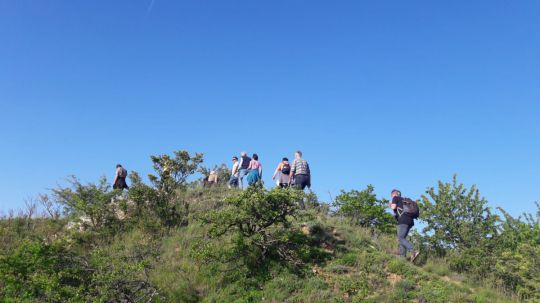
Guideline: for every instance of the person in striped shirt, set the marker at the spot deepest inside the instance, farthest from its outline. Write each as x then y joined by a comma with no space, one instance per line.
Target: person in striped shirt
300,172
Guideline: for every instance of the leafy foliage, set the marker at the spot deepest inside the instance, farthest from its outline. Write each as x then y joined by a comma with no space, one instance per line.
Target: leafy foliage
259,225
173,241
173,172
37,271
92,203
223,173
518,254
456,217
364,209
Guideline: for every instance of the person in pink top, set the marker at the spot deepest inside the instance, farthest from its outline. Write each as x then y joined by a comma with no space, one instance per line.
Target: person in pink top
255,170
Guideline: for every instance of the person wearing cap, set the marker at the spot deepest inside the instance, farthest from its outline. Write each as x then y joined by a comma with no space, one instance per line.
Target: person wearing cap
233,181
404,224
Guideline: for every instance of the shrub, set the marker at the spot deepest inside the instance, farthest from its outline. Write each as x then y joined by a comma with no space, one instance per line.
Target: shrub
39,272
257,225
456,217
93,201
364,209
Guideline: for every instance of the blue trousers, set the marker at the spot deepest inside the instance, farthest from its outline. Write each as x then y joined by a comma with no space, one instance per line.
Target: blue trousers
241,174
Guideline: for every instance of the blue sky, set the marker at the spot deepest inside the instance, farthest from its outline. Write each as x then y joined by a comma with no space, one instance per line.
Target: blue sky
390,93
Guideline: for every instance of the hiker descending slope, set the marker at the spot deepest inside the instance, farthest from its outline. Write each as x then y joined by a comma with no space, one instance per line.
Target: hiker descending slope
243,168
255,170
233,181
300,172
120,178
284,171
405,211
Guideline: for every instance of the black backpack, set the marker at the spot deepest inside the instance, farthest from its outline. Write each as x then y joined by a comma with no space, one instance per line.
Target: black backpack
123,173
286,169
410,207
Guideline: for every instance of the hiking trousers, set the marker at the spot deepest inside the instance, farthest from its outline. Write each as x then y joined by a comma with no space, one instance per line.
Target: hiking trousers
301,181
404,244
241,174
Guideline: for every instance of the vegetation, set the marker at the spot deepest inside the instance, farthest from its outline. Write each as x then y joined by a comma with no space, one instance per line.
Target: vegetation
172,240
364,209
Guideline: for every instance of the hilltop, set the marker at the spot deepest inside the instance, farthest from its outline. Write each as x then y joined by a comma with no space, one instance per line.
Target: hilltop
175,241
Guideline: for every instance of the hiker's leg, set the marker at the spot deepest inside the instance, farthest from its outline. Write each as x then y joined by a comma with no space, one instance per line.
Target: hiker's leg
241,174
300,182
402,250
404,244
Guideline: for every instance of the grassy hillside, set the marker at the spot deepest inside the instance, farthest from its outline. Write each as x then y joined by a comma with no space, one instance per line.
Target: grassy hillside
175,241
150,262
361,266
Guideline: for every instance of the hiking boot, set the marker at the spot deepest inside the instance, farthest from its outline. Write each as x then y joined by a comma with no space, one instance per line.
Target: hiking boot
414,255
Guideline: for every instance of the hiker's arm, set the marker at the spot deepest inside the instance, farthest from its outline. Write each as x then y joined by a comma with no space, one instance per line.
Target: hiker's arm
293,170
275,173
115,176
309,177
393,203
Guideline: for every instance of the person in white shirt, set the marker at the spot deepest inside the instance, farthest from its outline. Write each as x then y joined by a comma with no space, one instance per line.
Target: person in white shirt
233,181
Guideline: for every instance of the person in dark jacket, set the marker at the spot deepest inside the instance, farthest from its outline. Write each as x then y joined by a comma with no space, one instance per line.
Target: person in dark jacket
404,224
243,168
120,178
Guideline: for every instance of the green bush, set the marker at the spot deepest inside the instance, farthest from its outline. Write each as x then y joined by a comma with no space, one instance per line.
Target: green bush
39,272
257,225
364,209
456,218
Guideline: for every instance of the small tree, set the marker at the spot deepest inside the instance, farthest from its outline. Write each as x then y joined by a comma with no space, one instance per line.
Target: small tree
90,200
163,201
518,254
256,229
456,217
172,172
223,173
364,209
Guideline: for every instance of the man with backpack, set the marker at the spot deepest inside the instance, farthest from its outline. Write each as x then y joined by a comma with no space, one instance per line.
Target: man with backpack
284,171
120,178
405,211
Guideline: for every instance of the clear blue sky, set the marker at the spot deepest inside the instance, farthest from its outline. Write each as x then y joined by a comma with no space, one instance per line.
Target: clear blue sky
390,93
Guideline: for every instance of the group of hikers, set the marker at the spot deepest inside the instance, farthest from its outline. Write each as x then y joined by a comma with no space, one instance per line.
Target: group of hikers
286,174
298,175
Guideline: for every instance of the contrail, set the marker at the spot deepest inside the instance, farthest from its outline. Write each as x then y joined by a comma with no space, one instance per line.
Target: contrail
150,6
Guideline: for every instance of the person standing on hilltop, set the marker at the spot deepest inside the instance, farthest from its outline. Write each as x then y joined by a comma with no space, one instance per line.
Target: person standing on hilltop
212,178
120,178
300,172
243,168
233,181
284,171
255,170
405,211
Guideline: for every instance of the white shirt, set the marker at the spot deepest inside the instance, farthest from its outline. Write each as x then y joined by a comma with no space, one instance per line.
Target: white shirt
235,167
